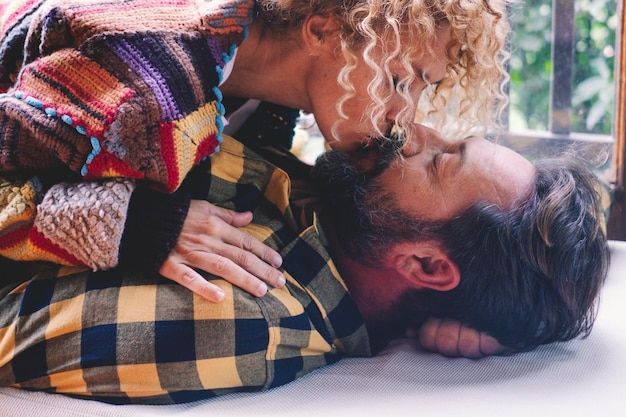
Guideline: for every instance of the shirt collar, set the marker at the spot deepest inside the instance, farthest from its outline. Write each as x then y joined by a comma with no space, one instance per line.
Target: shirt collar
307,261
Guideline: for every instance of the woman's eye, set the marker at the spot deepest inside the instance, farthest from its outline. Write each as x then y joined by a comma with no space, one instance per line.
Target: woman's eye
397,85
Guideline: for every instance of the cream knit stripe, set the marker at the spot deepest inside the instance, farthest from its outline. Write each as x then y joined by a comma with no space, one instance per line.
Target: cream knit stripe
94,230
17,203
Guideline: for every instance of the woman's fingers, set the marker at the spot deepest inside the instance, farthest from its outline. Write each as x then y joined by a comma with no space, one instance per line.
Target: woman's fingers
190,279
243,249
211,240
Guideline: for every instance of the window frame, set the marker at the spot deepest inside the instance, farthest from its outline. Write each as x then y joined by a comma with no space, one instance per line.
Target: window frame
559,137
617,216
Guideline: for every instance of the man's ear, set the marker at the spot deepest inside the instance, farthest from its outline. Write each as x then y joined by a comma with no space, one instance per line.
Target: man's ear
316,28
427,265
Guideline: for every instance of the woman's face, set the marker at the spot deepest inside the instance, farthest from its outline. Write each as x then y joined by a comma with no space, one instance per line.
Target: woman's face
358,131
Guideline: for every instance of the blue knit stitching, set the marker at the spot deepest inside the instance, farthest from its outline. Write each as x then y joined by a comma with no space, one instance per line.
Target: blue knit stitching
67,119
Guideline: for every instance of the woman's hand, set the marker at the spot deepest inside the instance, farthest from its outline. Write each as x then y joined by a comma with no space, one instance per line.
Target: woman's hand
211,241
452,338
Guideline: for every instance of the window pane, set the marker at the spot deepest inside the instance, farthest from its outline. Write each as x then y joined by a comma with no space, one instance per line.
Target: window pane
532,63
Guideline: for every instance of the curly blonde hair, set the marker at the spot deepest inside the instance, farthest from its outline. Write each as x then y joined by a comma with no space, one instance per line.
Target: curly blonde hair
470,96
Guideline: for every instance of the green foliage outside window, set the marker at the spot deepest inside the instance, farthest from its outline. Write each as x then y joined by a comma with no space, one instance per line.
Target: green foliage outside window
531,65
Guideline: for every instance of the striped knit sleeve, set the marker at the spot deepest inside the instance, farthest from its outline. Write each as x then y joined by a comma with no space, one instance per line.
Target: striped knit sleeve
127,90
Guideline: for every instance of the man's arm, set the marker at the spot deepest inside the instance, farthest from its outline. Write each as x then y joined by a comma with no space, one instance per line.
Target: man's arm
120,337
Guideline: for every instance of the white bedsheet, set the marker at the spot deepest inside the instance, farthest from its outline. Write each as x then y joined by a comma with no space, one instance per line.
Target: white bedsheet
578,378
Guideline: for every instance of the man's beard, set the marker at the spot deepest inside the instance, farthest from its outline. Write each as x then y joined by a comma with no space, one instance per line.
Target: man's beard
367,222
364,217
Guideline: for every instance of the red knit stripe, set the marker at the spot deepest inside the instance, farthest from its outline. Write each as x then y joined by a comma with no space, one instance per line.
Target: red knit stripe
100,94
107,165
29,234
16,236
206,148
40,241
168,153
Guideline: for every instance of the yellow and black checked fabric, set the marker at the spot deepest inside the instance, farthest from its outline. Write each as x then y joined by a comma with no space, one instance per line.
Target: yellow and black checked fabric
123,337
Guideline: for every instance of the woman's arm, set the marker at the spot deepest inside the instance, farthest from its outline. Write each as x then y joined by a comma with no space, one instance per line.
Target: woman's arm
79,224
99,224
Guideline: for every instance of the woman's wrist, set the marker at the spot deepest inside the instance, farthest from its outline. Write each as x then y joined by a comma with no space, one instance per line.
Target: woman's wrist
153,224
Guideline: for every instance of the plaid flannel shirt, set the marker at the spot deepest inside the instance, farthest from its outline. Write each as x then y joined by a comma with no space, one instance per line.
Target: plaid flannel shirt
123,337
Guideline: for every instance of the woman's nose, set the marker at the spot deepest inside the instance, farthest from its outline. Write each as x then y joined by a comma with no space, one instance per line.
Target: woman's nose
419,138
401,109
393,108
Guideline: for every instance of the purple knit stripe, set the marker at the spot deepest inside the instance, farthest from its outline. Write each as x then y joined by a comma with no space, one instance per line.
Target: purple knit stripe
137,62
216,51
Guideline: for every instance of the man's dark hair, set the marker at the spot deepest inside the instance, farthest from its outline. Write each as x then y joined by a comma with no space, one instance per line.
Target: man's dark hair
530,275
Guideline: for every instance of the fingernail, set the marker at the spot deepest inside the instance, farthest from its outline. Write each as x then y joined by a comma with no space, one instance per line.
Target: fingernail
281,281
219,296
262,289
277,261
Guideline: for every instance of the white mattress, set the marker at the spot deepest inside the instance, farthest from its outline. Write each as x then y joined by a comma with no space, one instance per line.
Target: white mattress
578,378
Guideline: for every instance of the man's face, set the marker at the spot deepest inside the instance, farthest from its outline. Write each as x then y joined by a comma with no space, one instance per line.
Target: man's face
437,179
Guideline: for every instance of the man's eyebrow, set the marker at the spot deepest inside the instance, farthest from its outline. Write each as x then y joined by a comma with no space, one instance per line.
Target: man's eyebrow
463,152
424,75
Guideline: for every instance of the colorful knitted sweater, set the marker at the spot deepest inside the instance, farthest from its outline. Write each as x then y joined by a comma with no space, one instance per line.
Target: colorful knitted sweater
107,89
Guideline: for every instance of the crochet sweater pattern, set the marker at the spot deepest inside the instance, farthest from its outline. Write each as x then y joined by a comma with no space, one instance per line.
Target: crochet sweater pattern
115,91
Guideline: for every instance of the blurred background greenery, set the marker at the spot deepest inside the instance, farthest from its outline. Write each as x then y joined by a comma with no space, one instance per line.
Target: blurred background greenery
531,64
